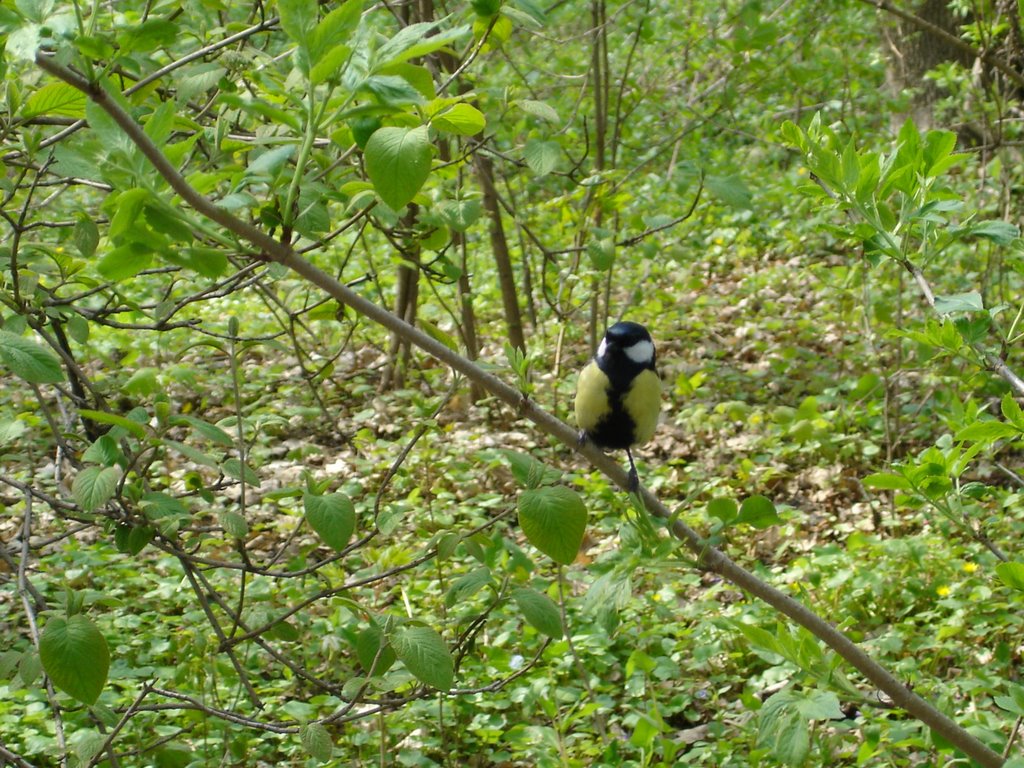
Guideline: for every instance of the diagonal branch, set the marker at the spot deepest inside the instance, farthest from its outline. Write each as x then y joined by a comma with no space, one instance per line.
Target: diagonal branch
707,556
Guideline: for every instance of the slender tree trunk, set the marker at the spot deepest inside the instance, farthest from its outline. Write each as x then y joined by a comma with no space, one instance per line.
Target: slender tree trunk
499,246
599,80
407,294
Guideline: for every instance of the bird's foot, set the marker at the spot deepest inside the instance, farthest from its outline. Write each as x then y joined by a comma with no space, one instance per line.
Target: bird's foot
582,439
634,479
633,484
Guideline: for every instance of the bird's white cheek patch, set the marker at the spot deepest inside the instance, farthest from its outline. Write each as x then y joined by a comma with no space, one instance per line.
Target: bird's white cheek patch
641,352
601,350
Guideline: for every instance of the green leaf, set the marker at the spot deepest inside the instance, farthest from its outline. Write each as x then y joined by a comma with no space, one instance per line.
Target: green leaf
528,471
193,454
1015,700
542,156
29,361
468,585
127,206
425,655
8,663
94,486
937,156
211,432
11,430
851,166
540,611
730,190
29,667
233,523
959,302
334,30
1011,574
398,163
116,419
125,261
760,638
332,516
158,505
268,164
57,99
539,109
987,431
554,520
138,537
86,744
784,729
461,119
160,124
331,65
23,42
86,236
75,657
298,17
999,232
886,481
234,468
412,41
147,36
392,90
820,705
459,215
371,644
316,741
198,79
1012,411
104,450
602,253
143,382
723,508
758,511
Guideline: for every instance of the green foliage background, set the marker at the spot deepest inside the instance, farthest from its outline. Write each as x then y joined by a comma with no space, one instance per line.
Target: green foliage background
242,524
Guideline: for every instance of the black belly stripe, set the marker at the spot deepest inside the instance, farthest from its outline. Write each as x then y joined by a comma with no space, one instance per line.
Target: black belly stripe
616,429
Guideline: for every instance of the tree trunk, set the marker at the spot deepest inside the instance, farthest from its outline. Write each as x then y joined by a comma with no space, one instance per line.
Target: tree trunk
913,51
499,246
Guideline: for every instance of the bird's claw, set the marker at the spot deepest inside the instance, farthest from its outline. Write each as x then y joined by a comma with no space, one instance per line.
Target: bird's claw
633,483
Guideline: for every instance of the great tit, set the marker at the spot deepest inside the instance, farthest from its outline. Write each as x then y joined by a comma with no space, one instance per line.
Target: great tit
618,394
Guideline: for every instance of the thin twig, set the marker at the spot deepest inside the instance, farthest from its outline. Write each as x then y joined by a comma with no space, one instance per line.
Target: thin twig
128,713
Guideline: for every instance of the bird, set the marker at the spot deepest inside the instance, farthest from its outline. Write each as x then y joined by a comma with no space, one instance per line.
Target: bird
618,393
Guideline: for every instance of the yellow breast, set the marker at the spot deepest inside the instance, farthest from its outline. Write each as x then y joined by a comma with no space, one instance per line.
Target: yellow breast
591,397
643,404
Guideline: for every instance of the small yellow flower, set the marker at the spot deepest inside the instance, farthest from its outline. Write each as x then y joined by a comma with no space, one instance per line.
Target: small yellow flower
970,567
943,591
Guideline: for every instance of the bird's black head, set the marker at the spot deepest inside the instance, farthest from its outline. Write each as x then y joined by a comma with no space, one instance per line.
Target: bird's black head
627,349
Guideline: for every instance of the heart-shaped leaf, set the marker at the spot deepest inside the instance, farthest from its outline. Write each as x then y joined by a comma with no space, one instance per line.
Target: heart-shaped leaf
554,520
75,656
332,516
425,654
398,162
